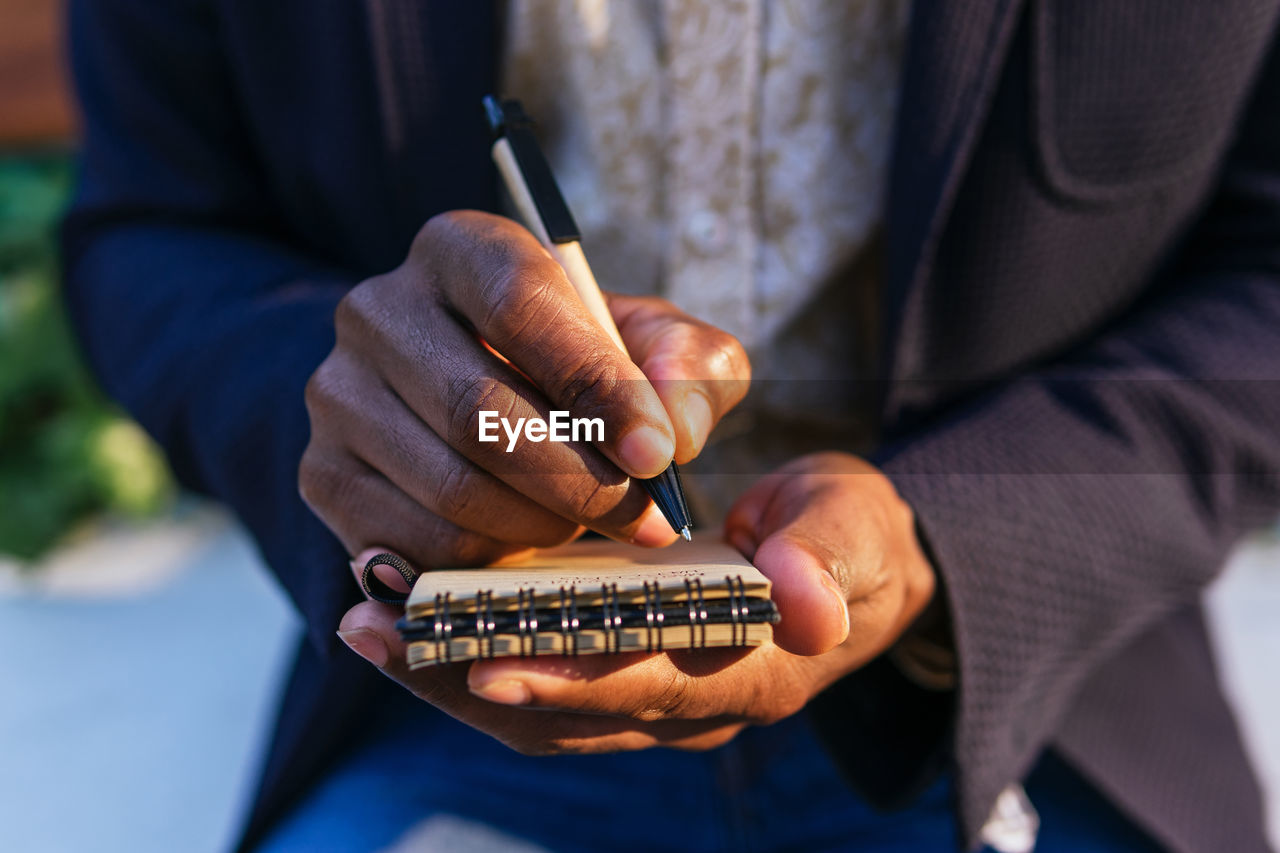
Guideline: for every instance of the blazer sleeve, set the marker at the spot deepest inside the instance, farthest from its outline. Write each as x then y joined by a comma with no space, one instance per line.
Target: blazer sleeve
1079,504
194,311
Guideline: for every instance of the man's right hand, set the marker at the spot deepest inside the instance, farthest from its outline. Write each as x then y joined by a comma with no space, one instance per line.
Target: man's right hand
395,458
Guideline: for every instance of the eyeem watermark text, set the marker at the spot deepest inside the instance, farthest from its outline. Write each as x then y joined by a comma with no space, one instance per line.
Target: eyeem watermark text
560,427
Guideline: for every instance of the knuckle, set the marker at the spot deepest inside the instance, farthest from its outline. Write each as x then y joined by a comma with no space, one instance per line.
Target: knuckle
360,313
521,299
308,481
726,357
443,228
451,493
445,221
812,481
593,386
323,483
323,389
472,244
592,502
463,548
469,396
672,701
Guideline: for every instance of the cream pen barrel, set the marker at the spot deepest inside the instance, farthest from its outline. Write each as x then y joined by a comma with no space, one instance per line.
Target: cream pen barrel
528,179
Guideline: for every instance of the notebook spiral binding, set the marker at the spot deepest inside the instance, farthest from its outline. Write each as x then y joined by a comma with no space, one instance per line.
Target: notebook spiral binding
612,614
444,629
571,625
484,621
737,609
697,612
653,616
527,624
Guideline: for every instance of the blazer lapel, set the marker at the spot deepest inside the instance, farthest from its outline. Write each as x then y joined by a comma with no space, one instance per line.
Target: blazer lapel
955,52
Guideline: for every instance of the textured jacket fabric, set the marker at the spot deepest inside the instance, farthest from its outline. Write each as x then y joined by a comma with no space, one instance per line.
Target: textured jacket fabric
1082,342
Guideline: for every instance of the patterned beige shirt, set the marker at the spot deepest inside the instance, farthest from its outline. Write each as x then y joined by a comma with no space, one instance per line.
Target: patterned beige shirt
731,157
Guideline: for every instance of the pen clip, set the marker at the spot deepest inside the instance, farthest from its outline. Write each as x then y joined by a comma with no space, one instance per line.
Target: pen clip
507,119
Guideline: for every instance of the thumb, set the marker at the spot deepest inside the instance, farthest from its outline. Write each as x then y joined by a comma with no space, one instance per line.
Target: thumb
787,517
814,612
369,630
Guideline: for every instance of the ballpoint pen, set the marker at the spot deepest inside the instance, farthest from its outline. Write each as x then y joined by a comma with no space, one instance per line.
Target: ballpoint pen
533,189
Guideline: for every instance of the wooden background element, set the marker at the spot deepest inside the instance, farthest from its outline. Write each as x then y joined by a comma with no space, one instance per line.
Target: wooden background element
35,99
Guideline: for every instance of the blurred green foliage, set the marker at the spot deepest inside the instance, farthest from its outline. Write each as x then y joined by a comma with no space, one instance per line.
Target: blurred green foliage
65,452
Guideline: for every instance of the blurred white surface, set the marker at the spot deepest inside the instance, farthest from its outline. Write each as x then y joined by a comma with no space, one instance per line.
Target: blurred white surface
140,674
139,677
1244,611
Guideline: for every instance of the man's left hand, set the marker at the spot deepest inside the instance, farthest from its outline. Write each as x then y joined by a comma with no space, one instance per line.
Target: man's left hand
849,576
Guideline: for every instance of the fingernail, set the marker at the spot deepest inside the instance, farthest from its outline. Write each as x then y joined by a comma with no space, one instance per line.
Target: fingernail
841,602
645,451
504,692
654,529
697,419
367,644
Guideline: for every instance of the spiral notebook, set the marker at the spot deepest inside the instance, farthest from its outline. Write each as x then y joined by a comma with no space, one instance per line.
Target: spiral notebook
590,597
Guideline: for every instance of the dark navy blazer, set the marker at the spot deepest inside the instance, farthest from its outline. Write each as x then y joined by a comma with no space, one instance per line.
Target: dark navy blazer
1081,325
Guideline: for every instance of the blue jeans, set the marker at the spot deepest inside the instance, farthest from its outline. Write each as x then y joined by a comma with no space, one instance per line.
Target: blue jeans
770,789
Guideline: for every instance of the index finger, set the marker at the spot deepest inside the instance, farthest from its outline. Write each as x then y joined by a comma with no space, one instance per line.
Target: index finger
519,300
699,371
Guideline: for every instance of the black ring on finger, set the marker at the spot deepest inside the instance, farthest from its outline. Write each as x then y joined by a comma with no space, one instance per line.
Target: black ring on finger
379,591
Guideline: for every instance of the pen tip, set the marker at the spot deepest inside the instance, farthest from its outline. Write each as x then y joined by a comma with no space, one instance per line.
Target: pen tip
684,531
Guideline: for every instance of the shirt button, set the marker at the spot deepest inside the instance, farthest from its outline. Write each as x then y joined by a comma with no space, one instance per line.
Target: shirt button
707,232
